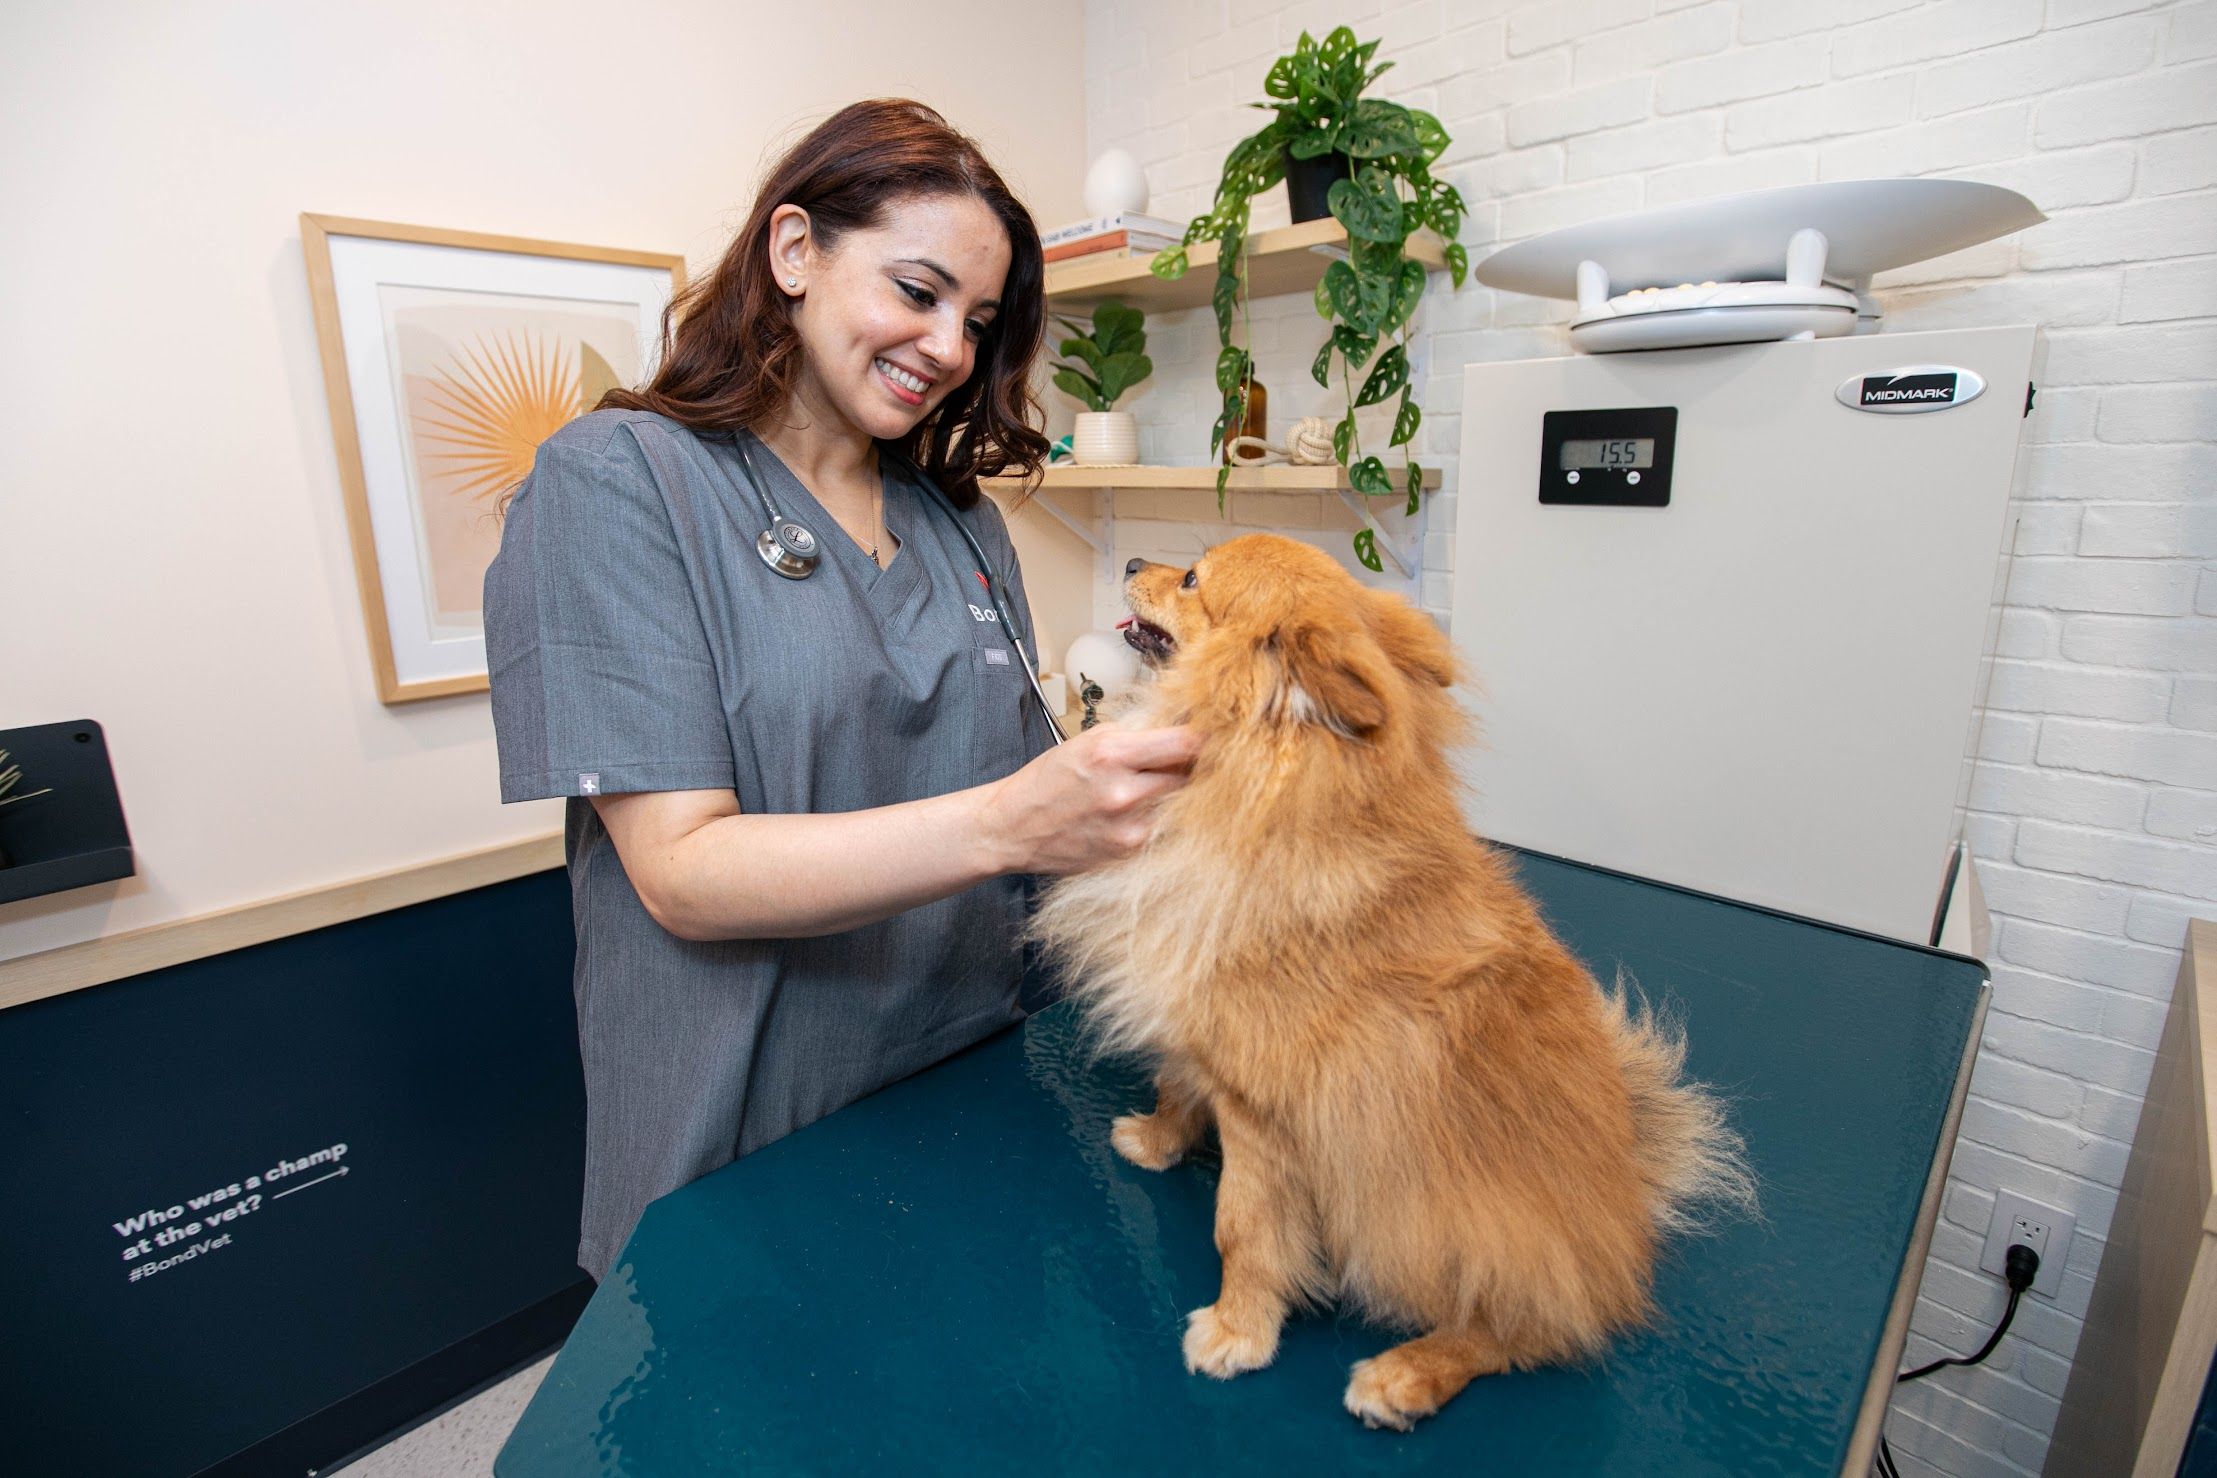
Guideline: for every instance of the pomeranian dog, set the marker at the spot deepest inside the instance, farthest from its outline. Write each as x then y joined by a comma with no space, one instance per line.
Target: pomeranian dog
1427,1107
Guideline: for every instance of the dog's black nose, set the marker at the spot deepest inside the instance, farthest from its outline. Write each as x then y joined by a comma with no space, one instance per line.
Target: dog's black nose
1133,567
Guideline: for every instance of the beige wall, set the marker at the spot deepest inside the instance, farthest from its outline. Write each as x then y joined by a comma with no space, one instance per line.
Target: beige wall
173,556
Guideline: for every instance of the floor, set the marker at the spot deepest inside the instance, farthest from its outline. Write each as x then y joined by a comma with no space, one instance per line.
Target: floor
462,1442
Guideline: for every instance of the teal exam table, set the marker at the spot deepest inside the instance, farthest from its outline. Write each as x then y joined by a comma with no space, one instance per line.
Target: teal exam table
957,1274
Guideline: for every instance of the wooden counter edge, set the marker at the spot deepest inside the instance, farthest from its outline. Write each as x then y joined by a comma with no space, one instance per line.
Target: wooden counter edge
93,962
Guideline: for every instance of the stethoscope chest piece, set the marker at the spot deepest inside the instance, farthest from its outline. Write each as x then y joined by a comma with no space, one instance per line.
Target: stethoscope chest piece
788,548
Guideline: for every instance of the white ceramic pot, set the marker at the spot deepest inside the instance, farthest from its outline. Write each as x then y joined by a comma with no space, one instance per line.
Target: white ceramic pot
1106,439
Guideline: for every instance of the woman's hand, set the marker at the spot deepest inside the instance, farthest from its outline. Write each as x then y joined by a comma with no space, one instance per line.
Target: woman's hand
1087,802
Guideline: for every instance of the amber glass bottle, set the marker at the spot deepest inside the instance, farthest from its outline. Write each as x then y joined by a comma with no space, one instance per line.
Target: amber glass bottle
1254,417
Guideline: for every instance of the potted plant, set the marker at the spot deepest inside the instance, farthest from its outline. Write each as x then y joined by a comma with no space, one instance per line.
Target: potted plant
1114,355
1382,155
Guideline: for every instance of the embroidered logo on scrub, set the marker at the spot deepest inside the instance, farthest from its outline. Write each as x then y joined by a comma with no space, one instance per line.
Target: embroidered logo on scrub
996,657
588,782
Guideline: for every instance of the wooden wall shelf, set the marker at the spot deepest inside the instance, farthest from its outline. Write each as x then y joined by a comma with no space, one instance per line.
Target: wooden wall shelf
1278,479
1286,259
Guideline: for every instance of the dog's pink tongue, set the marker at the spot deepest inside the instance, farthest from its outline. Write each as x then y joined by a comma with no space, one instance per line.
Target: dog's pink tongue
1127,621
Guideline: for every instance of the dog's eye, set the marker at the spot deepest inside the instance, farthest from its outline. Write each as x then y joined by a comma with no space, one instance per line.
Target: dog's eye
1192,577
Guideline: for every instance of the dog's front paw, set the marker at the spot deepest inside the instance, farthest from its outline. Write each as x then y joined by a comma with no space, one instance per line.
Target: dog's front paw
1142,1139
1385,1392
1214,1347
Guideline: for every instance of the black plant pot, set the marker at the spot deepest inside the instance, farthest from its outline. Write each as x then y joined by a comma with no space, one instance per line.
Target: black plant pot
1309,184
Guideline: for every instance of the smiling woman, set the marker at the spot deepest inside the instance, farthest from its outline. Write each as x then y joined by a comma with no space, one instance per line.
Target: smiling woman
806,778
946,235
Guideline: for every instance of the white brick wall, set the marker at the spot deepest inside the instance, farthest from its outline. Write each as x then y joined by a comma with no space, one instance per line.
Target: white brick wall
2095,801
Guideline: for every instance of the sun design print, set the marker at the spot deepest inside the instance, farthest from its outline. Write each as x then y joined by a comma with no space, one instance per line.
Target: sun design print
496,401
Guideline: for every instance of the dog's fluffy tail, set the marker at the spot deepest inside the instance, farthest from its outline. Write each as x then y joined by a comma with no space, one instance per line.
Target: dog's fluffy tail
1694,1163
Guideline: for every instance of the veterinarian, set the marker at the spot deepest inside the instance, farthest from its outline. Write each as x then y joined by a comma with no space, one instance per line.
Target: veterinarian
802,808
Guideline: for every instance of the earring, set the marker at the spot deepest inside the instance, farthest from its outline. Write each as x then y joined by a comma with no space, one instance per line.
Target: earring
792,282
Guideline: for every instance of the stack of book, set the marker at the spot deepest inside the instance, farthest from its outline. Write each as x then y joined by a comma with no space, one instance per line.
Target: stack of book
1127,233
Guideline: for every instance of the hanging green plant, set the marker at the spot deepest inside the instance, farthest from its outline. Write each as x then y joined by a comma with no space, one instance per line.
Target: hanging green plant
1369,297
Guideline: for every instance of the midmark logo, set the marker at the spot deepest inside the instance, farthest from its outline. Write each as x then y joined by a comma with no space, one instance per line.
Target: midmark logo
1895,390
1911,388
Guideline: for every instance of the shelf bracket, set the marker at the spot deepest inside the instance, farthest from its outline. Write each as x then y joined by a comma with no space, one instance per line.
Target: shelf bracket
1074,526
1336,253
1403,565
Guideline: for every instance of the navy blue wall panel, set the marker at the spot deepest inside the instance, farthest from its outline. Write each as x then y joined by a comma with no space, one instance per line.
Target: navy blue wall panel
429,1053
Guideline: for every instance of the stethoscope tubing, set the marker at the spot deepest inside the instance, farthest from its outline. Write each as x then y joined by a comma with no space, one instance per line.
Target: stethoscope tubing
796,558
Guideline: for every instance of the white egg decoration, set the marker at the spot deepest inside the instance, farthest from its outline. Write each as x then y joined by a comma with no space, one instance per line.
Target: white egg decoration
1115,183
1103,657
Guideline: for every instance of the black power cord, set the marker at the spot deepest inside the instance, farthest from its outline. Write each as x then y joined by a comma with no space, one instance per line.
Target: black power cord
2020,1265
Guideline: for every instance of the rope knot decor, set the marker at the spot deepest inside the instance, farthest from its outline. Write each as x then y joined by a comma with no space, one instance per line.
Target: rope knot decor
1308,444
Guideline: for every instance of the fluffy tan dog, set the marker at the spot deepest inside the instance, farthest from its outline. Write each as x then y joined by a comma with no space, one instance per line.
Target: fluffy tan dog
1427,1107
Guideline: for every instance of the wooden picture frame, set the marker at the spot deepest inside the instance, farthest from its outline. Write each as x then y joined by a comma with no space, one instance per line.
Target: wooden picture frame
447,357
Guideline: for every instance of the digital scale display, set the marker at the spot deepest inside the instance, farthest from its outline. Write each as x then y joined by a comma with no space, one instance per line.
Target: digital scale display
1608,458
1632,451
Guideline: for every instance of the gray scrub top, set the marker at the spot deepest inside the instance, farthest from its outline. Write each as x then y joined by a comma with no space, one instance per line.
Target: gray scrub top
637,642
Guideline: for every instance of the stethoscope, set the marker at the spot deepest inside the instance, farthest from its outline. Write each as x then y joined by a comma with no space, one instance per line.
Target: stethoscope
792,550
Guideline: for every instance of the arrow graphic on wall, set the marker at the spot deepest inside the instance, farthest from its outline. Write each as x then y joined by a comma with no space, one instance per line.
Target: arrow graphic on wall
319,1180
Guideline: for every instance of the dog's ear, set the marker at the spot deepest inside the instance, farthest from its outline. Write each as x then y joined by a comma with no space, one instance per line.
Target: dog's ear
1321,681
1412,640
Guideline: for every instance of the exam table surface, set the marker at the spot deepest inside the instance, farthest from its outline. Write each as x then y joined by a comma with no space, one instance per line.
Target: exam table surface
957,1274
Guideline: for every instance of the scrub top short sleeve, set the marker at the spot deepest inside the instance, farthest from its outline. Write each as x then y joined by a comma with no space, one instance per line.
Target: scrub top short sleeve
637,642
602,678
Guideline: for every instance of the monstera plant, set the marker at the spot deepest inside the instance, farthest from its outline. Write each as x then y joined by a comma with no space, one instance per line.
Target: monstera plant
1385,151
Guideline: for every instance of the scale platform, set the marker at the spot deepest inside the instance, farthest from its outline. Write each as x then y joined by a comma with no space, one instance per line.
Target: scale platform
1791,262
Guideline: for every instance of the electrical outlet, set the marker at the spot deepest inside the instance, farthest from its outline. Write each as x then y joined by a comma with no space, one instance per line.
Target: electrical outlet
2044,1229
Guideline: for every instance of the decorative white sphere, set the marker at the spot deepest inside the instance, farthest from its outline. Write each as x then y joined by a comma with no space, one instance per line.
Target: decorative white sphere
1103,657
1115,183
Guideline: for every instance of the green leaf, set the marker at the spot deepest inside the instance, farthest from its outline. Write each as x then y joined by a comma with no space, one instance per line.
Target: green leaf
1075,384
1310,145
1216,432
1226,295
1086,350
1323,296
1119,372
1430,136
1168,265
1407,418
1366,551
1223,476
1458,262
1360,302
1377,128
1354,346
1368,207
1231,367
1389,374
1370,478
1343,438
1278,81
1118,327
1408,291
1321,369
1416,489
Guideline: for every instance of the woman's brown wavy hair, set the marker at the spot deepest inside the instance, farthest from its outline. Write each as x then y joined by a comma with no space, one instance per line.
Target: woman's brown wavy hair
730,353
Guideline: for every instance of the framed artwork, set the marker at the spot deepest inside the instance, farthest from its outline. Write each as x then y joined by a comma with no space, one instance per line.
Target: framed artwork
448,356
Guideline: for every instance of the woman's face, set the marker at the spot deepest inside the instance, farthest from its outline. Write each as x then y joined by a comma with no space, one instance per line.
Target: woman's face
890,320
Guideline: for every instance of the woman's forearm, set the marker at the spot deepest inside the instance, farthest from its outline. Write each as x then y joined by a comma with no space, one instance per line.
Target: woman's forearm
738,876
